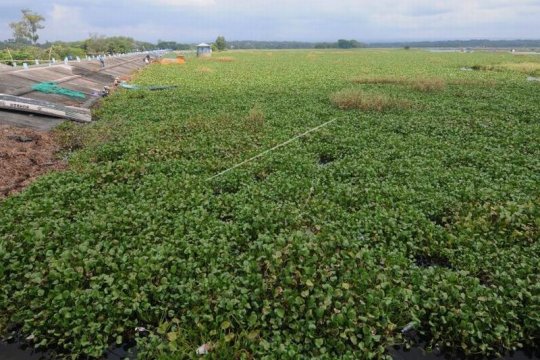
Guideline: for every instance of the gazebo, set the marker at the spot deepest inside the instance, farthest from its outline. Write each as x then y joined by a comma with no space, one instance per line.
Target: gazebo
204,49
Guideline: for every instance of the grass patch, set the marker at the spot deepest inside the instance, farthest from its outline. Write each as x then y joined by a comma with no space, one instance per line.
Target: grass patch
349,99
384,80
221,59
204,70
421,84
428,84
72,136
255,118
69,136
529,68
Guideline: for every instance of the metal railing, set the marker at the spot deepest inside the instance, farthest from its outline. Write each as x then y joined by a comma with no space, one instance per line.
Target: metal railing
27,63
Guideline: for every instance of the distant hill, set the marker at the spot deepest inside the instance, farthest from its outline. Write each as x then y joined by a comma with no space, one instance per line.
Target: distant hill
248,44
461,44
251,44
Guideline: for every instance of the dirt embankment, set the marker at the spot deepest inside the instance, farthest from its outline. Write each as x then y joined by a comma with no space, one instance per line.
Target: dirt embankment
25,154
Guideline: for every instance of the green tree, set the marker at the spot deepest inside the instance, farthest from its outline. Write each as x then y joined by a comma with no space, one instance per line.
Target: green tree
356,44
173,45
349,44
99,44
26,29
95,44
120,44
220,43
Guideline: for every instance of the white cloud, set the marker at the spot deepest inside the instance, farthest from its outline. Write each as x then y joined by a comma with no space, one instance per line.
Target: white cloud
67,21
313,20
182,3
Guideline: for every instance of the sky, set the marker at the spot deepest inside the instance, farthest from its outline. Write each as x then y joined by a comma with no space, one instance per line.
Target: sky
302,20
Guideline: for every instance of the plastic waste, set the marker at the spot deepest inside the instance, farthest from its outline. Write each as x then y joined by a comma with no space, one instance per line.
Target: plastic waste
410,326
125,85
204,349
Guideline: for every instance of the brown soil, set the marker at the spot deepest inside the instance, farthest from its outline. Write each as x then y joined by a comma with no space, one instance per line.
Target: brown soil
25,154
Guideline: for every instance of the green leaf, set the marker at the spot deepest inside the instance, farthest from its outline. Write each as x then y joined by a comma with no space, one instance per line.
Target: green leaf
225,325
172,336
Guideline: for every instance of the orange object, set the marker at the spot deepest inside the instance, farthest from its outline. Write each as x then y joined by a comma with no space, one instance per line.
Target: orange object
179,60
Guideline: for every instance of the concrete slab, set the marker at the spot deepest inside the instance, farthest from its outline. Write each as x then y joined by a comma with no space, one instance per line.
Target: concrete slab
36,122
87,77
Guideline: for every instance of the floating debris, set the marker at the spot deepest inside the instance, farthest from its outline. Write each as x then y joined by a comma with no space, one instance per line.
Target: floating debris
410,326
204,349
127,86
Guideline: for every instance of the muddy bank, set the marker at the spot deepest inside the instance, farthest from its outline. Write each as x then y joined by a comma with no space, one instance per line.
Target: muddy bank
25,154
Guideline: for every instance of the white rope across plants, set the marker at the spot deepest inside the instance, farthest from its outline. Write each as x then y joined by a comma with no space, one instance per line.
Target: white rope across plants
272,149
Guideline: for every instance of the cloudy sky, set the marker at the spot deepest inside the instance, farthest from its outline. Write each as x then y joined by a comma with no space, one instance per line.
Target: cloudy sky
308,20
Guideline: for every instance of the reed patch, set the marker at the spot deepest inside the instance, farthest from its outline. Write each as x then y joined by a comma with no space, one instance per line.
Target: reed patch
427,84
221,59
349,99
205,70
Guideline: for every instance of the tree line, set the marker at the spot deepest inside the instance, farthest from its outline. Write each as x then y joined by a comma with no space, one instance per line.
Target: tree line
250,44
478,43
340,44
25,46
